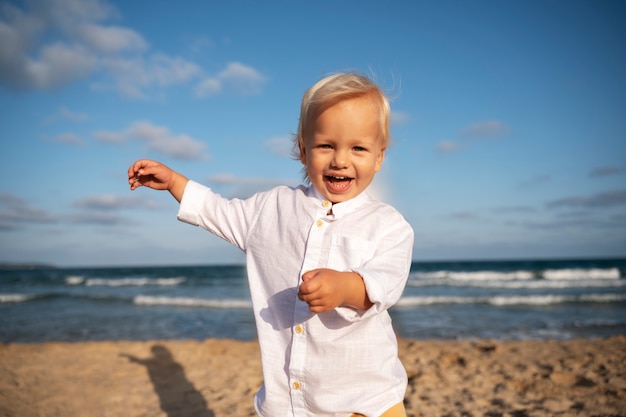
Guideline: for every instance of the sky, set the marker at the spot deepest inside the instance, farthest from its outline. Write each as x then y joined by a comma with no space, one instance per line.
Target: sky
508,120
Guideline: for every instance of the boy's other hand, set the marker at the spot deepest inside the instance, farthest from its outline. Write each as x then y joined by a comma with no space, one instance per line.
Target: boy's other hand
157,176
325,289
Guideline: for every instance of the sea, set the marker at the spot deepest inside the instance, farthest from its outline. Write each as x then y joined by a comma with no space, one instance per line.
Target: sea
505,300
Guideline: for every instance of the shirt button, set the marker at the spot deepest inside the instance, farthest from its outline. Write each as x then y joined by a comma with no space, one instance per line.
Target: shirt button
299,329
326,203
319,223
296,385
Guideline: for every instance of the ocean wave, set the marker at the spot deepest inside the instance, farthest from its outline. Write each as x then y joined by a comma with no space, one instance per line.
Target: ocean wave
530,300
579,273
16,298
191,302
548,278
534,284
75,280
123,282
475,275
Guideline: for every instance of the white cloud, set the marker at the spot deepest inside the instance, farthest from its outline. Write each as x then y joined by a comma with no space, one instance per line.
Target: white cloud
605,199
280,145
14,209
27,62
133,76
398,118
607,170
469,135
236,76
449,146
66,114
243,187
158,138
58,64
53,43
69,139
489,128
209,87
113,202
110,39
72,115
110,137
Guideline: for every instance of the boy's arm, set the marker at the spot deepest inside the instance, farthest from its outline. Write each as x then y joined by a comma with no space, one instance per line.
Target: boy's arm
157,176
325,289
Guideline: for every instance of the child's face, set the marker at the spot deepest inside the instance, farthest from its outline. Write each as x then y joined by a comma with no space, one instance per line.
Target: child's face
344,151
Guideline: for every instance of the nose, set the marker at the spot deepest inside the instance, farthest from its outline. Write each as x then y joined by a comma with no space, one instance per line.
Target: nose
340,159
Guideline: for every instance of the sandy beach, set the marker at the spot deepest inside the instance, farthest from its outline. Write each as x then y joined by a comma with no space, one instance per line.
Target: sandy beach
216,378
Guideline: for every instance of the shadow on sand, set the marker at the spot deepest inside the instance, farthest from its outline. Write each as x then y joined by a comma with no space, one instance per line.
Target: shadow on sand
177,395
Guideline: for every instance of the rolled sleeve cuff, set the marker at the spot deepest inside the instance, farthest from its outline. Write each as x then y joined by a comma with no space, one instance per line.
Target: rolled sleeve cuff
376,294
191,203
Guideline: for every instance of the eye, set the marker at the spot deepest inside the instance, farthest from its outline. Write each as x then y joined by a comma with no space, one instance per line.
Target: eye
324,146
359,148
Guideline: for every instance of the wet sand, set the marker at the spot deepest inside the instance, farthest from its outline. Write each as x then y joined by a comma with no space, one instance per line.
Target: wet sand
218,378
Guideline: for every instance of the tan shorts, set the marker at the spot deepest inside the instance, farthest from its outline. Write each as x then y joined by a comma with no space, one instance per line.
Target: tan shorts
395,411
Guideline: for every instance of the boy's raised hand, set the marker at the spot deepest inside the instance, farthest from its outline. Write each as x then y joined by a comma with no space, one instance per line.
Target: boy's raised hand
153,174
325,289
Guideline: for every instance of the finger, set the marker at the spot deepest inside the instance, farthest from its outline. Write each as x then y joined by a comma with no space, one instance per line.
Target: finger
134,183
134,169
319,308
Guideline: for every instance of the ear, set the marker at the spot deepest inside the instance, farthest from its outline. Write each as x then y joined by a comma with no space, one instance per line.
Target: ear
379,159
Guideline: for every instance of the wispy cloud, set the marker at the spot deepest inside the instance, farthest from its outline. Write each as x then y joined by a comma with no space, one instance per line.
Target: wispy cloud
398,118
464,215
243,187
606,171
534,181
280,145
515,209
486,129
449,146
132,77
158,138
47,45
67,139
468,136
236,76
609,198
66,114
16,211
113,202
98,218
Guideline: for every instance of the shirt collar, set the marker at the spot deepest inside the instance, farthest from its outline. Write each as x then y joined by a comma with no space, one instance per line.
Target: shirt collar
339,209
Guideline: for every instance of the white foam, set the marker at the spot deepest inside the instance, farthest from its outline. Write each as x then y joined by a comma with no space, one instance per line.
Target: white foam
505,300
15,298
133,282
74,280
476,275
535,300
433,300
579,273
530,284
190,302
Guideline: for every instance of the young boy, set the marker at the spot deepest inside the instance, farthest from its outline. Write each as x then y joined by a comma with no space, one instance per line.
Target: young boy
325,261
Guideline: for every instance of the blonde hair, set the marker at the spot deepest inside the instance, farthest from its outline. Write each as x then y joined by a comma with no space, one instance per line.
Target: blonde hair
331,90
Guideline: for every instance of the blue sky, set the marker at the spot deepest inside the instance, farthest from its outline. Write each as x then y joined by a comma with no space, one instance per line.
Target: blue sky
508,120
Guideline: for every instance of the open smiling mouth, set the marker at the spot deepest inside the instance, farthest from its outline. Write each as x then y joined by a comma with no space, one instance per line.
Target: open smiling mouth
338,183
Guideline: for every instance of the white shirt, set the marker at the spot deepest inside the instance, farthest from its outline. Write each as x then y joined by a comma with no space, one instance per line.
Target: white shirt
330,364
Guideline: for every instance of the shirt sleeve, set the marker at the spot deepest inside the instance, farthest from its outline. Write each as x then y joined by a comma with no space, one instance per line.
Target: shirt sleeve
229,219
386,273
